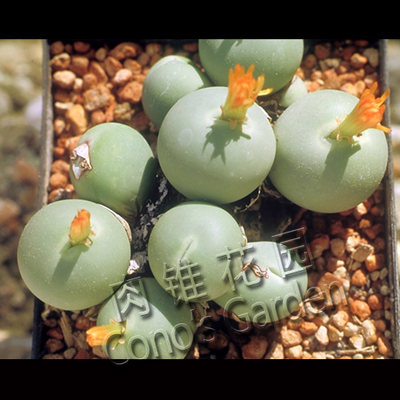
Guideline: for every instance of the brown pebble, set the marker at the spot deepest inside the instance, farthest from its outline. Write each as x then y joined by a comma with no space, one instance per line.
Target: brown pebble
359,278
276,351
64,79
374,231
375,301
337,247
69,353
54,345
96,69
125,50
79,65
361,309
89,81
140,121
290,337
232,353
82,354
76,116
97,117
255,348
56,47
331,286
340,319
191,47
83,323
57,181
60,61
384,346
112,66
55,333
358,60
380,325
60,166
131,92
322,51
294,352
319,245
123,76
218,341
308,328
374,262
81,47
96,98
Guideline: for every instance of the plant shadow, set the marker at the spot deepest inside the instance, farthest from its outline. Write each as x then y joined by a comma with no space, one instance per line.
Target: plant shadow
337,160
220,135
69,257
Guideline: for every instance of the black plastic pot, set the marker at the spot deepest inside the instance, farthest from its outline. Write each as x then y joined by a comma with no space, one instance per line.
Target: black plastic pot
47,139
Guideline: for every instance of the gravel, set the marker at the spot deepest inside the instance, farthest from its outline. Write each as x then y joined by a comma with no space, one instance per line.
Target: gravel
356,325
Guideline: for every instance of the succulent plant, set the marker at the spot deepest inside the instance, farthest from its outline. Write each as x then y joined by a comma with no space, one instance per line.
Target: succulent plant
142,321
216,144
277,59
295,90
331,149
270,285
113,165
71,252
169,79
191,249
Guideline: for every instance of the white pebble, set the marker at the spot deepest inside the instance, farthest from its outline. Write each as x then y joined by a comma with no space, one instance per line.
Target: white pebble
351,329
383,273
357,341
373,56
388,315
388,334
384,290
374,275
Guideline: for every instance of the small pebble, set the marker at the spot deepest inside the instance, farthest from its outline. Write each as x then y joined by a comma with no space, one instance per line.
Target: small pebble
64,79
255,348
322,335
357,341
290,337
294,352
361,309
351,329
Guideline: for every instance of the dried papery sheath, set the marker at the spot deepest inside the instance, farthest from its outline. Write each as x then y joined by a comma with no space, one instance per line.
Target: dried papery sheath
80,160
123,221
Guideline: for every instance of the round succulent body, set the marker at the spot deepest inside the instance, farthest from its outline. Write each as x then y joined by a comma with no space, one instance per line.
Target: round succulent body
278,59
167,81
293,92
113,165
192,248
72,252
270,286
317,171
154,325
205,158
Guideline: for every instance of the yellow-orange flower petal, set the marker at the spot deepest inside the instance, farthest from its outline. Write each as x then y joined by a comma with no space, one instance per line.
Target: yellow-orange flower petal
80,228
99,335
367,113
243,90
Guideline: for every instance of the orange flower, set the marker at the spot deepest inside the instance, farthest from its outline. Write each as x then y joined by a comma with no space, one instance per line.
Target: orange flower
80,228
243,90
99,335
367,113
